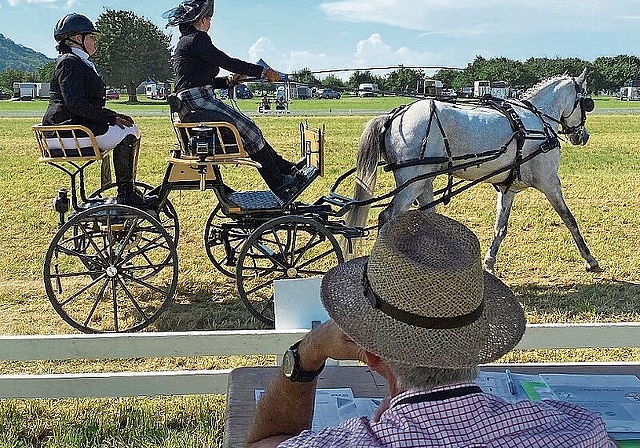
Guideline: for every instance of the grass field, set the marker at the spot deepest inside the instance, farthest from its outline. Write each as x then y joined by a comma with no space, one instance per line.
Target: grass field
345,105
538,260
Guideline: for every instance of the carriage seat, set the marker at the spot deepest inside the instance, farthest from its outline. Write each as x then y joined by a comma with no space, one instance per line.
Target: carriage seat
67,143
228,143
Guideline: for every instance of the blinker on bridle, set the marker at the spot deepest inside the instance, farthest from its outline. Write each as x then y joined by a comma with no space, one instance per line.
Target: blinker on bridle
586,105
417,320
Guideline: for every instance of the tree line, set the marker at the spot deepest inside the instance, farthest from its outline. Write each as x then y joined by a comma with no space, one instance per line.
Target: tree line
605,74
132,49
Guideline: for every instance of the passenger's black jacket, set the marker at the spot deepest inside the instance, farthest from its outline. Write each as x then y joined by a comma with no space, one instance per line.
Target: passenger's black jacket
197,62
77,96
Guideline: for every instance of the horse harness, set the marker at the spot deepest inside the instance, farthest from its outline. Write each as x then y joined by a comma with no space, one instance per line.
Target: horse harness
548,138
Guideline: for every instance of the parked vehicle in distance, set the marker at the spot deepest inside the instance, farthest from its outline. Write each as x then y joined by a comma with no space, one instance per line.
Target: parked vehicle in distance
4,95
368,89
328,94
243,92
630,91
449,94
112,94
466,92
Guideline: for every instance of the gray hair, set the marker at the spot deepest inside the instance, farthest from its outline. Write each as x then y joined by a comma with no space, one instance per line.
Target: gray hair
414,377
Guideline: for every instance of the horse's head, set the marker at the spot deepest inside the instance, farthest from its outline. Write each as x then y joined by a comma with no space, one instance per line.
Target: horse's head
574,116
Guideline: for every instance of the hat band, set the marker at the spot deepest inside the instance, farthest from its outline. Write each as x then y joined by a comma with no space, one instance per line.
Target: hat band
417,320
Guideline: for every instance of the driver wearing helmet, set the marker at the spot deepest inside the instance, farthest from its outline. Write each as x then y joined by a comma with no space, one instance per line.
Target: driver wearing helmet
78,97
197,63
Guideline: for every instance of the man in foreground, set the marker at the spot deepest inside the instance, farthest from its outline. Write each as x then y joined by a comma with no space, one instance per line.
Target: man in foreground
421,312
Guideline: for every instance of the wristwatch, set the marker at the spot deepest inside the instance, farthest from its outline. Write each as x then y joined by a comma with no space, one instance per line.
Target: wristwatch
291,366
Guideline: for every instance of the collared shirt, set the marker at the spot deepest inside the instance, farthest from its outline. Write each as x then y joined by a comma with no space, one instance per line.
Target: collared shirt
472,421
84,56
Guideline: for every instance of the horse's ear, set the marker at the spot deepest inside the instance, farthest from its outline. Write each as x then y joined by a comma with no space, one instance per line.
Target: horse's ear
580,79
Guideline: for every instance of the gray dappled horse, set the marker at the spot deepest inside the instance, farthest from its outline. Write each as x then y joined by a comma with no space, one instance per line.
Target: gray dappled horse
514,148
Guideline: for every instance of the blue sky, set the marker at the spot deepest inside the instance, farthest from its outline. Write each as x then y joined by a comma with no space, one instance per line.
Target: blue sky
320,35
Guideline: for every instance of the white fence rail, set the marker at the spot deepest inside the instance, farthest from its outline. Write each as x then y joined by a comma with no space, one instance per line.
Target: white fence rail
218,343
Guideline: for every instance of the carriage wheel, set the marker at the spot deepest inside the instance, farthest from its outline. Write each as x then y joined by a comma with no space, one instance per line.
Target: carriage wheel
285,247
111,268
167,215
222,241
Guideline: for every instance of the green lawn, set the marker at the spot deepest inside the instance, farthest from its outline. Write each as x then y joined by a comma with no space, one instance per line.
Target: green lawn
538,260
347,104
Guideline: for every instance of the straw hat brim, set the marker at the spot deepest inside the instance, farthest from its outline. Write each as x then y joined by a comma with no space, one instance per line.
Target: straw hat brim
495,333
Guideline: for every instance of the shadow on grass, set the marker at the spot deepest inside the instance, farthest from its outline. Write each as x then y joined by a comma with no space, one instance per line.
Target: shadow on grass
205,308
612,301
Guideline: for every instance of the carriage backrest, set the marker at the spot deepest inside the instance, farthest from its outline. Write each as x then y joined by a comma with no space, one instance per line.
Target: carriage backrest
66,143
227,138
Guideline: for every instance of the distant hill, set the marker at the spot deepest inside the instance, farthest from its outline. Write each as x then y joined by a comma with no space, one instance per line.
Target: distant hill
16,56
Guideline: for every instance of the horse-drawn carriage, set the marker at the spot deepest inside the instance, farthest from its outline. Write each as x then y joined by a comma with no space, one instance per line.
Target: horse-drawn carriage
114,268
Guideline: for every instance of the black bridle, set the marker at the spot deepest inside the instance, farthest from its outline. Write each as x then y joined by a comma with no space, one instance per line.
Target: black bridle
585,103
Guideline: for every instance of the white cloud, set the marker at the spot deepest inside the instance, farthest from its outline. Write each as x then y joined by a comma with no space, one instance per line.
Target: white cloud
373,51
469,17
260,49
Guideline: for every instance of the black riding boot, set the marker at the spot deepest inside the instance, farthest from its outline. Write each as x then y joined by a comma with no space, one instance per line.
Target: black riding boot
273,177
125,159
283,164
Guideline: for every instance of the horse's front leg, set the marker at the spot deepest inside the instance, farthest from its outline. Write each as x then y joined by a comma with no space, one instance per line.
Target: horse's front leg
553,193
503,209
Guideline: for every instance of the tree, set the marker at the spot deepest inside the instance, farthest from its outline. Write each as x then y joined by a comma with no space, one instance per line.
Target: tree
402,80
333,82
615,71
44,73
306,77
10,75
131,49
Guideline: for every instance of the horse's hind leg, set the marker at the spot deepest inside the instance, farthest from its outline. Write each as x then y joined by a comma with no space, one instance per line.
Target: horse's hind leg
554,195
503,209
406,197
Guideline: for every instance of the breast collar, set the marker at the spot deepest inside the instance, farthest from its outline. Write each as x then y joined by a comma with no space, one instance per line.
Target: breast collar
439,395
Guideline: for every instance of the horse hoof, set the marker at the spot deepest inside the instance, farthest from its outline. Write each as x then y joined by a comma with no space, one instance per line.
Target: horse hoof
489,265
592,266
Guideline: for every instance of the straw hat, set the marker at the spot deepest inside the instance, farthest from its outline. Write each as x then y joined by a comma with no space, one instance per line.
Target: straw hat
422,297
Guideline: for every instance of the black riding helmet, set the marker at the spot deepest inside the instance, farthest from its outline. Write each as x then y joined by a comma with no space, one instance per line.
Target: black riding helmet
189,11
73,24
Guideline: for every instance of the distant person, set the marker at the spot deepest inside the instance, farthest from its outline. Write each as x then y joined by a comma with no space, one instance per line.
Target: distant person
77,96
421,312
266,103
281,103
197,62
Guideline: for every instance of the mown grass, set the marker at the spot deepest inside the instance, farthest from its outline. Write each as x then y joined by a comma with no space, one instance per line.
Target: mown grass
538,260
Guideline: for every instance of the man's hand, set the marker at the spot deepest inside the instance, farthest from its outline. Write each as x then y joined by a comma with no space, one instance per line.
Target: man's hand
271,75
123,121
236,78
327,341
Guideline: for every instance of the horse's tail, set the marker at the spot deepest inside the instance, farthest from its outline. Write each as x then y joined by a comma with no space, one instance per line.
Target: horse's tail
369,152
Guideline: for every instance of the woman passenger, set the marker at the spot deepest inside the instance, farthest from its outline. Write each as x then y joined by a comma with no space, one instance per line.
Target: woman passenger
77,96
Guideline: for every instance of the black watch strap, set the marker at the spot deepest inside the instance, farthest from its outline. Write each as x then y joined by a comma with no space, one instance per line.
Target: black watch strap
292,369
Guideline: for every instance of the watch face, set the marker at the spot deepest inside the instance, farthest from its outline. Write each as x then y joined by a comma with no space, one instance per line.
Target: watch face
288,363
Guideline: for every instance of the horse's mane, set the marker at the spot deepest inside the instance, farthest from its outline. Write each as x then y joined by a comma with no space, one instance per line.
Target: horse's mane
541,85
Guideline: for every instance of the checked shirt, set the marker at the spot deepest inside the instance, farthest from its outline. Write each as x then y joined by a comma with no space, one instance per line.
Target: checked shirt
473,421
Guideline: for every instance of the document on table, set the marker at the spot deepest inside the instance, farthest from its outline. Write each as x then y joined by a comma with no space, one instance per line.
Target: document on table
333,406
616,398
523,387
